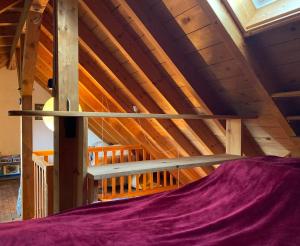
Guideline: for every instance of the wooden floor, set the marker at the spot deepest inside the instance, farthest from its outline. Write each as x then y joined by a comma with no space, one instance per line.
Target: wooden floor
8,200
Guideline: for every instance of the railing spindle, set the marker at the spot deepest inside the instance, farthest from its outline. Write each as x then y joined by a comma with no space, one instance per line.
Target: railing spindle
113,180
96,158
165,178
122,178
129,177
104,188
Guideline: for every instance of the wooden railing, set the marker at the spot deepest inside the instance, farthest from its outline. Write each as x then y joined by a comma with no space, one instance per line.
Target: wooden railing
133,185
107,189
43,187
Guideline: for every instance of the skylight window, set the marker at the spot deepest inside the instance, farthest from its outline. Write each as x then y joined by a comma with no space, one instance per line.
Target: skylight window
261,3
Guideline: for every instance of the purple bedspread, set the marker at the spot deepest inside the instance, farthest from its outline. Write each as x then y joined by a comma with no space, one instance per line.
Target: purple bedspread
249,202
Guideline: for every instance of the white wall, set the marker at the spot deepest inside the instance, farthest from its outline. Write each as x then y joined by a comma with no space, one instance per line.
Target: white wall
42,136
9,126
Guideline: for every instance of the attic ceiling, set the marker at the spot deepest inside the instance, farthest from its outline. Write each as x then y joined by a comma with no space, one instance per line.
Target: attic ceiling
174,56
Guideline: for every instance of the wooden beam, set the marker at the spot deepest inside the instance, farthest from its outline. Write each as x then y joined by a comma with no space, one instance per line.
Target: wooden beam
123,115
70,133
32,11
286,94
30,51
27,180
156,141
234,137
155,78
23,18
7,4
27,71
132,168
143,100
187,75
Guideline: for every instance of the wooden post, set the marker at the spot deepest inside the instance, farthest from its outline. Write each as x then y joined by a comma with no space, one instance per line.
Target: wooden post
28,56
234,136
70,134
27,181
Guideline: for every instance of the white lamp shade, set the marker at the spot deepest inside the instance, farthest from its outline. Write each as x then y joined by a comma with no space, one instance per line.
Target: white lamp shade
49,120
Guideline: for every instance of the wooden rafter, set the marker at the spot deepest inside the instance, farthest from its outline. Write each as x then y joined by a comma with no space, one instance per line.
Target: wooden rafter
161,83
7,4
155,144
147,128
187,75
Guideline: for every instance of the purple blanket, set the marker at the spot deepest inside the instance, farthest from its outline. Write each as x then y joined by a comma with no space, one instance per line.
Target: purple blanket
249,202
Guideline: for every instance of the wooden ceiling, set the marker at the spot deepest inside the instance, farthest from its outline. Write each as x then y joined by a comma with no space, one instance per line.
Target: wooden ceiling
174,56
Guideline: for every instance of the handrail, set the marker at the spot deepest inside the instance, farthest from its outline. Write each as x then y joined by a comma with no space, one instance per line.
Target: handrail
92,149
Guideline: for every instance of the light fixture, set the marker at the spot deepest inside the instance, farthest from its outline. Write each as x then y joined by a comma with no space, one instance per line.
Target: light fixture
49,120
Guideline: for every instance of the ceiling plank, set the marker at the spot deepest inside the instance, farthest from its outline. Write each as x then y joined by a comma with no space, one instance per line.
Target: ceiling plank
7,4
7,31
188,74
8,17
240,49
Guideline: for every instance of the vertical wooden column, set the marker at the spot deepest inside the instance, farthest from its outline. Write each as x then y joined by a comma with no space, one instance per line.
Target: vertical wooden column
27,181
234,136
26,68
70,134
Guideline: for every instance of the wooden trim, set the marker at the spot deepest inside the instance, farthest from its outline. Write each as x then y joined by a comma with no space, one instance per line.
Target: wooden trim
123,115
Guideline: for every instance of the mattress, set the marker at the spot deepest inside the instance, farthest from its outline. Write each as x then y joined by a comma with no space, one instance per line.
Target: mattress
254,201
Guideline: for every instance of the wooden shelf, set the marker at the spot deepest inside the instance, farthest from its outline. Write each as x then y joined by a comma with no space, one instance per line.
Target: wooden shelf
287,94
9,163
10,176
293,118
30,113
132,168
